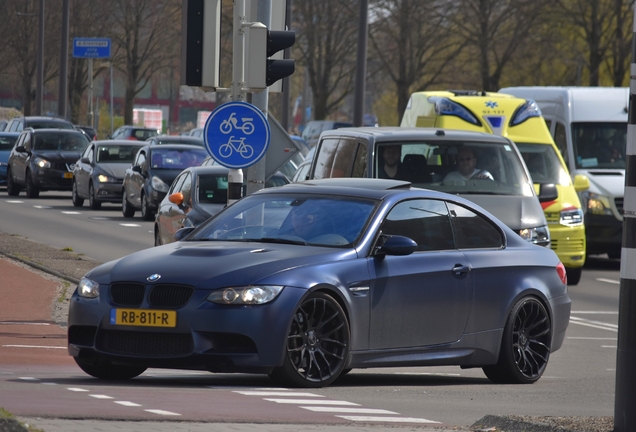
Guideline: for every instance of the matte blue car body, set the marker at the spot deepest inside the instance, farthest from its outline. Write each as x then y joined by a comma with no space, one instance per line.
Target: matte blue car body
471,339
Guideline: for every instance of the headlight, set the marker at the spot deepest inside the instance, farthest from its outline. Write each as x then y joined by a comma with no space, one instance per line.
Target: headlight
448,107
598,204
88,288
571,217
539,235
245,295
159,185
106,179
525,111
42,163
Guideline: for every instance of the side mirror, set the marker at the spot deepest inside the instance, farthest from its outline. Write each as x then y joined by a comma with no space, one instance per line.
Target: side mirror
397,245
548,192
136,168
176,198
183,233
581,182
20,149
85,160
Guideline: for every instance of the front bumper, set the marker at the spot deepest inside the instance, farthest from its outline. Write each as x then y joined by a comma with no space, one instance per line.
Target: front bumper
109,192
569,244
52,179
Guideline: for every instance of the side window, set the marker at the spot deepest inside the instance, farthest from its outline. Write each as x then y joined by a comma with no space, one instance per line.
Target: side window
20,140
186,190
561,141
424,221
141,159
177,184
27,141
335,158
90,151
360,162
472,231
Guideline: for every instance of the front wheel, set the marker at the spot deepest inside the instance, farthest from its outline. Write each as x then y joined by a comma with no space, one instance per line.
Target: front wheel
107,371
157,236
126,207
146,212
525,346
32,190
574,275
12,188
317,344
77,201
92,199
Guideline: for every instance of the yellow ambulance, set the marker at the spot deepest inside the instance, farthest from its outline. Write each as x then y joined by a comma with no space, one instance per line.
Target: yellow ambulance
519,120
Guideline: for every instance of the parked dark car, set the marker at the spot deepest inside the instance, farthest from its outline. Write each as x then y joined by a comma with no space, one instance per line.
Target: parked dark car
134,133
18,124
195,195
308,280
7,141
99,173
147,181
175,139
90,132
44,159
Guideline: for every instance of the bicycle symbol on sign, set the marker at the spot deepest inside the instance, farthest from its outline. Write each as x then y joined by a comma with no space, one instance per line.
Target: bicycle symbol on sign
229,147
231,123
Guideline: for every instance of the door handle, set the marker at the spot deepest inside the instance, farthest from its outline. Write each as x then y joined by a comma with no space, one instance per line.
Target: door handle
459,269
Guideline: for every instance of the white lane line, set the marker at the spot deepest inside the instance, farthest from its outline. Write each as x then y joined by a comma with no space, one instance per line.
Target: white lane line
126,403
14,201
131,225
609,346
71,212
612,281
42,207
277,393
311,402
22,323
33,346
595,312
594,324
99,396
76,389
348,410
388,419
162,412
592,338
29,379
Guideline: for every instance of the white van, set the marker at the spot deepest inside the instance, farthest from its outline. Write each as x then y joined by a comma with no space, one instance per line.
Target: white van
589,125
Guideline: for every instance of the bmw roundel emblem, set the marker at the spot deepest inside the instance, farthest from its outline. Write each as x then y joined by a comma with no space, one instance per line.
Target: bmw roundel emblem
153,278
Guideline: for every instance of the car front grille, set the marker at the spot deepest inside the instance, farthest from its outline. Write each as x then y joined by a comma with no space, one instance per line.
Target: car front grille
170,296
567,246
144,344
127,294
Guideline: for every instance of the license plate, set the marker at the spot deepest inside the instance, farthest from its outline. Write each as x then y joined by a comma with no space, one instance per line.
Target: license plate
68,175
143,317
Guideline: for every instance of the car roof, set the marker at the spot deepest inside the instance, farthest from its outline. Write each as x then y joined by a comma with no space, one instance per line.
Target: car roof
48,130
120,142
393,133
173,146
359,187
175,138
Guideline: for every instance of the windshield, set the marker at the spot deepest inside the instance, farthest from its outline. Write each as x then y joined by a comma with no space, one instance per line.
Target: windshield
599,145
320,220
544,164
60,141
177,158
455,167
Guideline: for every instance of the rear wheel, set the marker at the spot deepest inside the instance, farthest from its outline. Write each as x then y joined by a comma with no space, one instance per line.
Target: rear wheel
104,369
146,212
77,201
317,344
157,236
12,188
574,275
525,346
32,190
126,208
92,200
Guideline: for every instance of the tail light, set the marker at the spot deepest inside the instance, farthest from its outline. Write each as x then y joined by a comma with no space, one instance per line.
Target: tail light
132,138
560,269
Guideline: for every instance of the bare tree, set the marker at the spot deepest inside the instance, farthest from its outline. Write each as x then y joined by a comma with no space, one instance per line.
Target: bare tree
619,58
326,38
415,43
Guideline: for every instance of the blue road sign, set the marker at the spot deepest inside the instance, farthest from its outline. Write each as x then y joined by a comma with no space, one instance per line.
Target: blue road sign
236,134
91,47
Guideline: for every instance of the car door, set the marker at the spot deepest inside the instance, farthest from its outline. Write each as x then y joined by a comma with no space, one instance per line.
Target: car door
137,178
83,170
424,298
170,215
20,160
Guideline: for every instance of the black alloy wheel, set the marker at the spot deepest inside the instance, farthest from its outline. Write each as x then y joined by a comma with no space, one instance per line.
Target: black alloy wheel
12,188
77,201
525,346
92,199
317,347
32,190
103,369
126,208
146,213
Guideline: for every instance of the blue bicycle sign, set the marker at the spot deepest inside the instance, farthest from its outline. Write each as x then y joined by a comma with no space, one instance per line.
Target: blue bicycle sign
236,135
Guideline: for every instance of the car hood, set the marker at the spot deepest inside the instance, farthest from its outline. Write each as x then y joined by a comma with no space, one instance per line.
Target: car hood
166,175
517,212
58,156
117,170
215,264
608,182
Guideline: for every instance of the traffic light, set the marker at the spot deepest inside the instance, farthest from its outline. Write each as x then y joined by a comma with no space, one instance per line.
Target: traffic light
262,71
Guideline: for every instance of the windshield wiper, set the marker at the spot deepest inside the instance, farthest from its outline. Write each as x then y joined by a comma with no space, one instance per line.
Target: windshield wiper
282,241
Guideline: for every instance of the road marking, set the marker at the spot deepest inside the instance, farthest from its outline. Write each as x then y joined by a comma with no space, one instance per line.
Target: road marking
609,346
162,412
76,389
131,225
612,281
277,393
29,379
22,323
71,212
595,312
347,410
594,324
42,207
311,401
14,201
126,403
33,346
99,396
388,419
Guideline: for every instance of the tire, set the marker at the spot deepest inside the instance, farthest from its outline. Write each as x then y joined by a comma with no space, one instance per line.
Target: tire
525,346
92,200
77,201
126,208
157,236
32,190
146,213
574,275
12,188
317,345
103,369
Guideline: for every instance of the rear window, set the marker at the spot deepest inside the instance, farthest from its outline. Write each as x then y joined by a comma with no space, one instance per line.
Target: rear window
144,134
48,124
7,142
